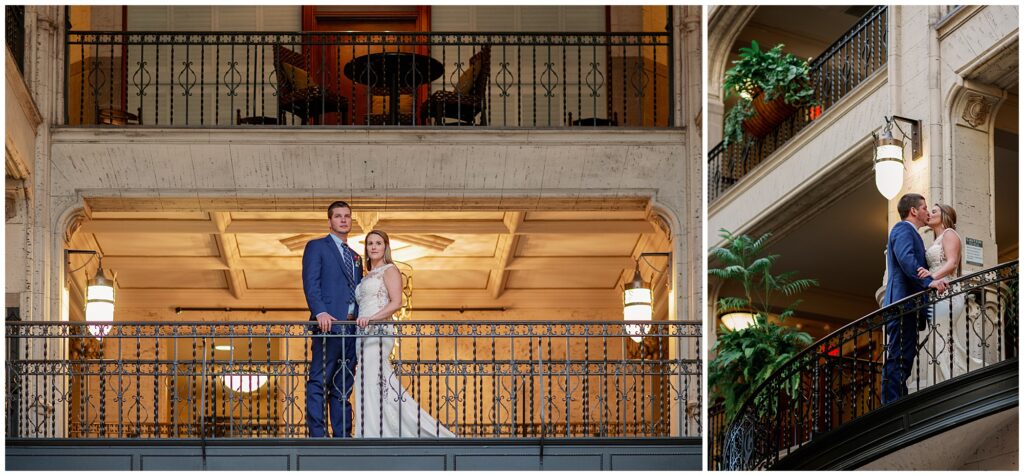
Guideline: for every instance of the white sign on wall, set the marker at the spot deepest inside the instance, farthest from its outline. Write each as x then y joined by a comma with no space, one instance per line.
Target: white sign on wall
974,252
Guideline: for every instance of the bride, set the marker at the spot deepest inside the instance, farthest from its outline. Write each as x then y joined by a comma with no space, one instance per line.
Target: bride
384,407
943,259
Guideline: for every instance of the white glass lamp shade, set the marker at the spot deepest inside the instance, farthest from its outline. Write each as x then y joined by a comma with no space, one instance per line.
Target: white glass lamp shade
637,308
888,166
737,320
99,304
244,383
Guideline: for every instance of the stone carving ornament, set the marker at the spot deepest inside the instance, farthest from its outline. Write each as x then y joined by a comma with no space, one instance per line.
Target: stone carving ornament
977,109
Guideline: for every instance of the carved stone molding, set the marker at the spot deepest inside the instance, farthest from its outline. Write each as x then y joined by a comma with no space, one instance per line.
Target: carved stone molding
73,223
975,110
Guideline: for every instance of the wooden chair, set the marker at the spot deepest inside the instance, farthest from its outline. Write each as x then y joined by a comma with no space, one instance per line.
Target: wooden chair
298,93
469,97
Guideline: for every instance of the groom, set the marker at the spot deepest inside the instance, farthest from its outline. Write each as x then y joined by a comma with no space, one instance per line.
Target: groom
330,273
904,255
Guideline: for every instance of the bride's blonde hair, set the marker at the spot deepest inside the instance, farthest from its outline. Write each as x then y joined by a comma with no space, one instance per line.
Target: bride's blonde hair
948,215
387,248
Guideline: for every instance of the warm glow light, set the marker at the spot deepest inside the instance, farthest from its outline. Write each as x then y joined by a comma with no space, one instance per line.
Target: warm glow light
99,304
637,307
888,165
223,347
244,383
737,320
889,178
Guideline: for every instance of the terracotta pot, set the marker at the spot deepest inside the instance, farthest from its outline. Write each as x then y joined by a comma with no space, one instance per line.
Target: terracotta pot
767,115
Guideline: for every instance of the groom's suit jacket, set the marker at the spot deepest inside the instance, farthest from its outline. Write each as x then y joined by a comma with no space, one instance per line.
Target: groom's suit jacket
905,255
327,285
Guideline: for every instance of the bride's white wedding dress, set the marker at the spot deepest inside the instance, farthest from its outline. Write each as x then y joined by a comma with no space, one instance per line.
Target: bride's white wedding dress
968,353
383,407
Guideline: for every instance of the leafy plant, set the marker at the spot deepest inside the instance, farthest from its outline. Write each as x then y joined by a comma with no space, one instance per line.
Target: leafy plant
771,73
747,357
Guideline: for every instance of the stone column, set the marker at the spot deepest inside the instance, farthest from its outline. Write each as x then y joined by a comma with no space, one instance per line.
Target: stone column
971,170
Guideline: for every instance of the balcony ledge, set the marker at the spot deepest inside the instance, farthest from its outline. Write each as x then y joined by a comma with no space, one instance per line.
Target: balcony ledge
353,454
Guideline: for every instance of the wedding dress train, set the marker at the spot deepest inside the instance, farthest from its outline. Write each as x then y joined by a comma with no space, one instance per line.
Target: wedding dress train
384,408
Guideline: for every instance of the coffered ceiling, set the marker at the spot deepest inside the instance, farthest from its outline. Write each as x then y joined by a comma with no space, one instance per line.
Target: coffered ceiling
509,259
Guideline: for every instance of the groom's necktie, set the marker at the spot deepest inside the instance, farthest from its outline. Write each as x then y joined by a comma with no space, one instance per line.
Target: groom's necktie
346,260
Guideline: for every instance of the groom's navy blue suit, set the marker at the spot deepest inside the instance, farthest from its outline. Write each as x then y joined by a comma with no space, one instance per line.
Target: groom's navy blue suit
905,254
329,282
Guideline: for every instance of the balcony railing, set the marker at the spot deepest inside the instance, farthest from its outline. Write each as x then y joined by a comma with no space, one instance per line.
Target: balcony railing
838,379
502,79
857,55
248,379
14,16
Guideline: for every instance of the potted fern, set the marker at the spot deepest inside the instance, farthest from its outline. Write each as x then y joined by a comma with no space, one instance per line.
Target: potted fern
770,85
747,357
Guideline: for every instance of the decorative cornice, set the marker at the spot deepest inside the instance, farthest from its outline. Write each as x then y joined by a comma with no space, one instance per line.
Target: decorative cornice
955,19
355,136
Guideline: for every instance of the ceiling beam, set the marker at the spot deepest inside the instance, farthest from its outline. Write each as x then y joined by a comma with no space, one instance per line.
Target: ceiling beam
584,226
228,244
393,227
506,249
540,299
149,226
443,263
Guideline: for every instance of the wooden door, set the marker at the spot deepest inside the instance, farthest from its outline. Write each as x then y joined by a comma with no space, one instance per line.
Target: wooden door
331,60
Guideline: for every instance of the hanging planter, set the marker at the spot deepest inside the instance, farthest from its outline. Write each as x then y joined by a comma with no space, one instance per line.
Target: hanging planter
770,86
767,115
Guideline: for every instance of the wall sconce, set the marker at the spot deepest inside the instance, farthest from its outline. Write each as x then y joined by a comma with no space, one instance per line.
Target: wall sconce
99,295
636,302
737,319
888,159
244,383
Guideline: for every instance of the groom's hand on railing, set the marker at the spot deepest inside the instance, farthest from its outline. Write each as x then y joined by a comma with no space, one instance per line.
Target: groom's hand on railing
939,285
325,320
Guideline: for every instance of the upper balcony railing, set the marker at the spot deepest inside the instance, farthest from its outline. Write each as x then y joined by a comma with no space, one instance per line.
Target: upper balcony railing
839,70
248,379
972,326
14,21
502,79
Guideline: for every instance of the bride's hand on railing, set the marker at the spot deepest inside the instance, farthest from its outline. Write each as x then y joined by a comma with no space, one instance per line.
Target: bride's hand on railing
939,285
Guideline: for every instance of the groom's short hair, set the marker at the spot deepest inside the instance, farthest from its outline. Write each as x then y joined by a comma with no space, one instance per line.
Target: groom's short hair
907,202
337,204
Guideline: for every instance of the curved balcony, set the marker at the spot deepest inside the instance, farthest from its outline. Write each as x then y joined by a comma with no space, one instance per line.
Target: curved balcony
823,409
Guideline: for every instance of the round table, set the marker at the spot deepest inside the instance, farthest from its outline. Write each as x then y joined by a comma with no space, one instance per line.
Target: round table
395,71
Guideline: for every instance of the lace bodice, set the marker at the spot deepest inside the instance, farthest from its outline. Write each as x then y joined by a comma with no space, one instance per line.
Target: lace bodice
935,255
372,294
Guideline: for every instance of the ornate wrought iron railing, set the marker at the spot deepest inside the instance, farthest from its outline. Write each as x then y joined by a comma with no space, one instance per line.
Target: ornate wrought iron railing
14,21
839,378
499,79
479,379
840,69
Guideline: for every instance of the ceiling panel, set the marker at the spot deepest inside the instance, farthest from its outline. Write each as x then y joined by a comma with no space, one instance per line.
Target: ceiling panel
577,245
151,216
265,245
471,245
171,278
273,279
564,279
156,244
449,280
